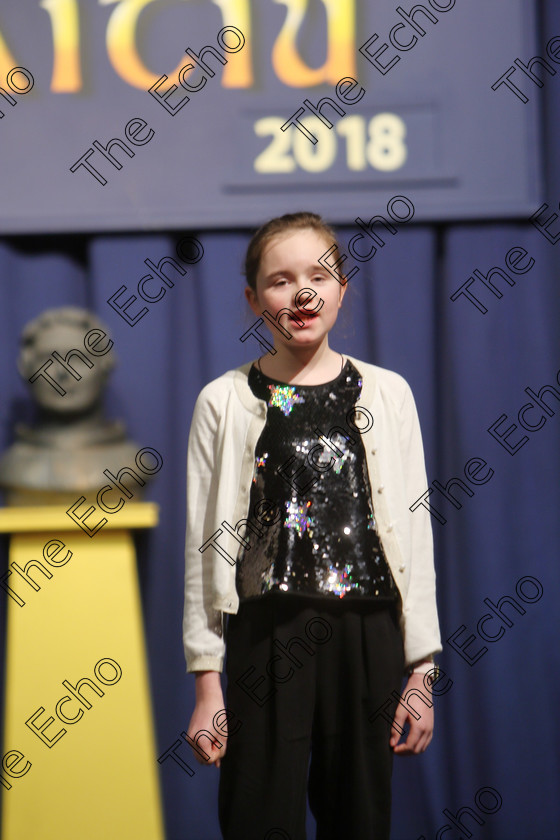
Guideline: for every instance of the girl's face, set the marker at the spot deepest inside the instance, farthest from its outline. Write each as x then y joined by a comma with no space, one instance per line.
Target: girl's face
290,263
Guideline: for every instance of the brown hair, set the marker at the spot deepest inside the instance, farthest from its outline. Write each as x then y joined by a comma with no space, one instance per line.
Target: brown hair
282,224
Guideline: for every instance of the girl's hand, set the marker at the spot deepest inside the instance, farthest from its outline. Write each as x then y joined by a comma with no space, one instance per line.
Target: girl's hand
421,730
209,701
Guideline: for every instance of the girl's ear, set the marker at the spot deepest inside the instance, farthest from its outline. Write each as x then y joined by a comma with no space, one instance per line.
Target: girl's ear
252,300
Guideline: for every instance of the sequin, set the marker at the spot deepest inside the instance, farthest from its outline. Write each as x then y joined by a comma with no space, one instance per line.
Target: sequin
327,456
297,518
340,580
326,542
260,462
284,397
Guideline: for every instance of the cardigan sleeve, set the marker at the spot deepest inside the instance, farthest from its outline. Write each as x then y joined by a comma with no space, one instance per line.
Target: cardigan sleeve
202,624
421,626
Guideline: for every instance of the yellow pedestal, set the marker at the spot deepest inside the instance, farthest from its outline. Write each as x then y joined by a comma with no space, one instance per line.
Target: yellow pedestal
97,776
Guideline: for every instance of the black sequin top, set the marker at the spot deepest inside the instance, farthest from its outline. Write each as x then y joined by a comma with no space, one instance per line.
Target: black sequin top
317,530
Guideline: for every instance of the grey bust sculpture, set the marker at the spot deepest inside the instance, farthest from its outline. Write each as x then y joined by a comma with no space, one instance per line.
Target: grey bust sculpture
66,357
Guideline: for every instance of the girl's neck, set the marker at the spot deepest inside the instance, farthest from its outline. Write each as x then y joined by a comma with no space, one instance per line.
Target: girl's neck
295,370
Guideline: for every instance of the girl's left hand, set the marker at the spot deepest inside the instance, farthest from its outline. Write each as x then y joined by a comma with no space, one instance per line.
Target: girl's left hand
421,730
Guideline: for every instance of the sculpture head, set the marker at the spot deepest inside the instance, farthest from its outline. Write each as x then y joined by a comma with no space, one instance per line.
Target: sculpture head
61,331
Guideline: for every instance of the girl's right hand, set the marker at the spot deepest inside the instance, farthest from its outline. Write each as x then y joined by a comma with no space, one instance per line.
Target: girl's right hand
210,700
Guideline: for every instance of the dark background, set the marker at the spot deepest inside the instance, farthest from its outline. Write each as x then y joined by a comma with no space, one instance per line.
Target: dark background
464,141
498,725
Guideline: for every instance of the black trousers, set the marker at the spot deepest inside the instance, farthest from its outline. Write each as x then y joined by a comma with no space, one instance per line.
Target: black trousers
303,676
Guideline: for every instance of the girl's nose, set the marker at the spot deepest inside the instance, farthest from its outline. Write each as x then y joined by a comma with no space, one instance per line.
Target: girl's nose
301,297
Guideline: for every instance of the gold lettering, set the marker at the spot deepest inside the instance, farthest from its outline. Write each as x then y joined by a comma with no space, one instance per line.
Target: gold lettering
7,61
121,44
65,25
238,72
341,49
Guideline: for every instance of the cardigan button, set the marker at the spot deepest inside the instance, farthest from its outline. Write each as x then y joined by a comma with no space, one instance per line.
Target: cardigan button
389,527
381,488
373,451
402,568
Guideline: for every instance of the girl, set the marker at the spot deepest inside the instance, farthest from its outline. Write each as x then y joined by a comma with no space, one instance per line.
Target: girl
301,470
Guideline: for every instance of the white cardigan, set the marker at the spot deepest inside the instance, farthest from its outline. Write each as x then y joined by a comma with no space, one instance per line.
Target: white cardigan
226,424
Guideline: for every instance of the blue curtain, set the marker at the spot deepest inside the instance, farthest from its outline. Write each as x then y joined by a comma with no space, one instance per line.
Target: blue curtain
497,724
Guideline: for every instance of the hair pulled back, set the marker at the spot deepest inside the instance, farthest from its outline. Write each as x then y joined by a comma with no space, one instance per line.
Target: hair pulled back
283,224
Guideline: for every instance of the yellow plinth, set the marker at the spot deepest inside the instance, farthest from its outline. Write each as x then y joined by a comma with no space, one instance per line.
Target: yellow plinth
97,776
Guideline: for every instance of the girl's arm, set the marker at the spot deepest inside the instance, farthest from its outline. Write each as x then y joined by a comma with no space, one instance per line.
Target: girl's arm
421,627
202,624
422,728
207,684
209,701
422,637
